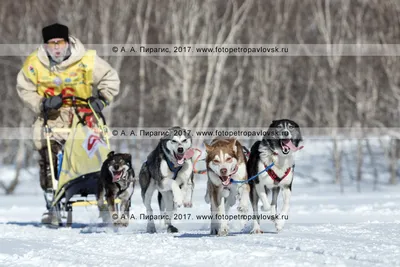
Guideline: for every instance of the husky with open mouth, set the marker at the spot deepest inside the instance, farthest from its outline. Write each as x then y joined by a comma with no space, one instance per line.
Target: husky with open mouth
117,180
169,170
225,161
278,146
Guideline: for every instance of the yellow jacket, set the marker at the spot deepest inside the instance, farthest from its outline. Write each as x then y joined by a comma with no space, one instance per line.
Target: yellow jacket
80,75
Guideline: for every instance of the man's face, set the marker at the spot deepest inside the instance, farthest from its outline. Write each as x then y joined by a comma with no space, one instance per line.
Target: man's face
57,48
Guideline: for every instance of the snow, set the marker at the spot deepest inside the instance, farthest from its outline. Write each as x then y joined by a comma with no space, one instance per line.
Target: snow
325,227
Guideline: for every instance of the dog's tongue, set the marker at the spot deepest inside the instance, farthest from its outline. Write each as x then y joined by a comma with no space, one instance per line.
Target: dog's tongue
117,176
289,144
188,154
225,180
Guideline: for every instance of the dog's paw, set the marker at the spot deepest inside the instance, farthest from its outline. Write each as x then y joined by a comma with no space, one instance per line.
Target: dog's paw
256,231
187,204
279,225
243,208
117,223
124,222
178,201
151,228
172,229
223,231
214,228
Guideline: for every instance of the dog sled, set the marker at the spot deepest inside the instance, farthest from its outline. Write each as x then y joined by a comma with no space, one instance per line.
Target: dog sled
79,162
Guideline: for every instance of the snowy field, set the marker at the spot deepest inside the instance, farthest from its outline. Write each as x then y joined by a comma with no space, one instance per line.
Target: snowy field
325,228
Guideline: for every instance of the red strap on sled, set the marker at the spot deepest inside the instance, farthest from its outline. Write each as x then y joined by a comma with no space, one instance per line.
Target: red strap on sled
85,110
89,118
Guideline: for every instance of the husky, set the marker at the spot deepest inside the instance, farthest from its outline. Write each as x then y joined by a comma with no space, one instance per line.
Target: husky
278,146
117,180
225,161
169,170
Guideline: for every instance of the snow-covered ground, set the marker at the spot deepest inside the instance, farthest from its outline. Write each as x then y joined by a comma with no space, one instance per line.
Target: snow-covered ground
324,228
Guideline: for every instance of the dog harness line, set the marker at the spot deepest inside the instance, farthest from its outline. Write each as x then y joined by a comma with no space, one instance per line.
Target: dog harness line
253,177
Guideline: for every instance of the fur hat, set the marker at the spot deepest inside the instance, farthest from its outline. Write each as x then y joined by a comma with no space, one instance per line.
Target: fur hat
55,30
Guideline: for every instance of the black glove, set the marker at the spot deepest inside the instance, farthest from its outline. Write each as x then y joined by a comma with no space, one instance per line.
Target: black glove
97,104
54,102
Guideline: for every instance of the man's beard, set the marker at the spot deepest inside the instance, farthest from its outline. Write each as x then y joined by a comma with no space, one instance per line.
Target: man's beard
61,57
58,59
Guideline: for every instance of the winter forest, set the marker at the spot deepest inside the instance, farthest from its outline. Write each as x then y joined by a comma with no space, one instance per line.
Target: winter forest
229,91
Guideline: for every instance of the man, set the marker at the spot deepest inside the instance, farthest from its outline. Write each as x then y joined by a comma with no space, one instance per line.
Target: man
62,67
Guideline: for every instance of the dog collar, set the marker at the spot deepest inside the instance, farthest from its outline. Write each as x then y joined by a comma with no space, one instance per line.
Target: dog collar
172,168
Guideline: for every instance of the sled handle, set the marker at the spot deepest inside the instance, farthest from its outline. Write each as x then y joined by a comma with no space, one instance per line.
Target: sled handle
74,98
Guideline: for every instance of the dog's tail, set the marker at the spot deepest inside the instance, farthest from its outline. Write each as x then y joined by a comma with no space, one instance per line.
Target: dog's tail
144,179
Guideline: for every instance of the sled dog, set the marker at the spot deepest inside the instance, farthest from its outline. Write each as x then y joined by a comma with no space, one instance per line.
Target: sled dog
169,170
225,161
117,180
278,146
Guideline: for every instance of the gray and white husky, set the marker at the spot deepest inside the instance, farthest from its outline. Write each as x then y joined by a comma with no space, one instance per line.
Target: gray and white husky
169,170
278,147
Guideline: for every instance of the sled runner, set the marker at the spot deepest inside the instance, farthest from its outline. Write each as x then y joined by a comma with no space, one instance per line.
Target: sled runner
79,162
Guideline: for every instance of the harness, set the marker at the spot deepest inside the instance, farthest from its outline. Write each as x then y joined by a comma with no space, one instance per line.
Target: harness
172,167
253,177
195,162
276,178
120,190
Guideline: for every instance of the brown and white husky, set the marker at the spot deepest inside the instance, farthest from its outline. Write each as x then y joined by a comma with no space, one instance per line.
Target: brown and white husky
225,161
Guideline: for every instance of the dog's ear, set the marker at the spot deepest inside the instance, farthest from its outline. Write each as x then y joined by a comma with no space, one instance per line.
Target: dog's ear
233,144
111,154
208,147
128,158
272,132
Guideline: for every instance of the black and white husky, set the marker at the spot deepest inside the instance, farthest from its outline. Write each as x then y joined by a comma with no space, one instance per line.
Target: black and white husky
169,170
278,146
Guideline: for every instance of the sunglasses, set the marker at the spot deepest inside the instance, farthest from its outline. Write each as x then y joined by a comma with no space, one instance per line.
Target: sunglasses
54,43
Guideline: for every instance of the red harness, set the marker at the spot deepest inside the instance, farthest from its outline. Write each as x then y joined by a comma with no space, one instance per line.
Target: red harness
275,177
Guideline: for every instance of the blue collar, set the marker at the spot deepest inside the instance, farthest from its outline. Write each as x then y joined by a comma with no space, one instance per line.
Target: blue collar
172,168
